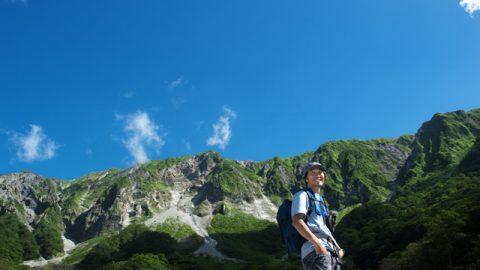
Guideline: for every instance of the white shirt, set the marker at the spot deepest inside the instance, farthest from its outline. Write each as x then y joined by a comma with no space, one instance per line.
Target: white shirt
316,223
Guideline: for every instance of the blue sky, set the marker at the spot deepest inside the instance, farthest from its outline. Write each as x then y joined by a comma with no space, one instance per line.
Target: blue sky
90,85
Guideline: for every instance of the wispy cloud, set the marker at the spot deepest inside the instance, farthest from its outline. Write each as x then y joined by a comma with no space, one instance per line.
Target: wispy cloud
470,6
222,132
141,133
34,146
187,145
89,152
24,2
128,94
177,102
177,82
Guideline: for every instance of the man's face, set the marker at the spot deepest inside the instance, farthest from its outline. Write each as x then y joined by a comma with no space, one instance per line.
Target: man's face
315,178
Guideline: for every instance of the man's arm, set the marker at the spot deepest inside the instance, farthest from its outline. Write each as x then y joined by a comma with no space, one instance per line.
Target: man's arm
303,230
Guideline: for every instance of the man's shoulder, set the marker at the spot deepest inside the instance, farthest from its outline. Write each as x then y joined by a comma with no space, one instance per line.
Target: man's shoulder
299,203
300,194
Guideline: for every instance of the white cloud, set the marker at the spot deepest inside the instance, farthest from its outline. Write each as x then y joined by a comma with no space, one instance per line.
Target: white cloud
470,6
35,145
176,83
222,132
141,133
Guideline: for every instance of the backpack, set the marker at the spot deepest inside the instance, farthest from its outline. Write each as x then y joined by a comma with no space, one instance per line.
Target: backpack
290,236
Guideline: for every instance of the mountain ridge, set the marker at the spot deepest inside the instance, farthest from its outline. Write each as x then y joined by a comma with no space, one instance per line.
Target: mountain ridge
197,189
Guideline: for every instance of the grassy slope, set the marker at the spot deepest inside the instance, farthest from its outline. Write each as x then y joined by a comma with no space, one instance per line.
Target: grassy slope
360,171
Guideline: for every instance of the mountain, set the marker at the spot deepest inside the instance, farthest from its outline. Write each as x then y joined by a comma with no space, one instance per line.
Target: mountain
431,220
441,143
391,194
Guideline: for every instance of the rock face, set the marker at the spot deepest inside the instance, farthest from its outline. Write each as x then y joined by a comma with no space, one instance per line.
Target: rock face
194,186
28,195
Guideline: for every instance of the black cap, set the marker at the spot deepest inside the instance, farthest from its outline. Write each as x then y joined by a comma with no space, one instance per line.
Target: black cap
310,166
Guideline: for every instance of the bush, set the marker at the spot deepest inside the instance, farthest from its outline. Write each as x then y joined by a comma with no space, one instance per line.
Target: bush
133,240
49,239
17,242
141,262
243,236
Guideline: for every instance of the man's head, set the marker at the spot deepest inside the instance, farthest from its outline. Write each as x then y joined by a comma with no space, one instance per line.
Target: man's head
314,174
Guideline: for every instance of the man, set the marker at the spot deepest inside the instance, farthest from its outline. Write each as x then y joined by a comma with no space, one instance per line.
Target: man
317,250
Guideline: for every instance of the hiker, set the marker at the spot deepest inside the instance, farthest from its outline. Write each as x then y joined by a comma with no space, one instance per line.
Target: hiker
320,251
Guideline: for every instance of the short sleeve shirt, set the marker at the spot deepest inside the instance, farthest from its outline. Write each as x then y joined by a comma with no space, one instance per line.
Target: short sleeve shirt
315,222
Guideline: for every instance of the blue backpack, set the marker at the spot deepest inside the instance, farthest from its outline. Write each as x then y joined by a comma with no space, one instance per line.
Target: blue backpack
290,236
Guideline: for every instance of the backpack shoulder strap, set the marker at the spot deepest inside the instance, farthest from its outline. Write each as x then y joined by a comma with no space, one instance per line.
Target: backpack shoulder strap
311,201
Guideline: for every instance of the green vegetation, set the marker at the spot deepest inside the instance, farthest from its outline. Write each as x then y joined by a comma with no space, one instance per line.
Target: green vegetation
234,180
279,178
470,165
281,175
437,224
155,166
141,262
176,229
79,253
277,200
137,247
245,237
360,171
442,143
346,211
48,233
12,205
85,191
135,239
188,261
182,233
203,209
419,214
432,220
154,186
17,242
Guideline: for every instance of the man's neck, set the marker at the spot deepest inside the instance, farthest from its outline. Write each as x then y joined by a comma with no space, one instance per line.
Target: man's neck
315,189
